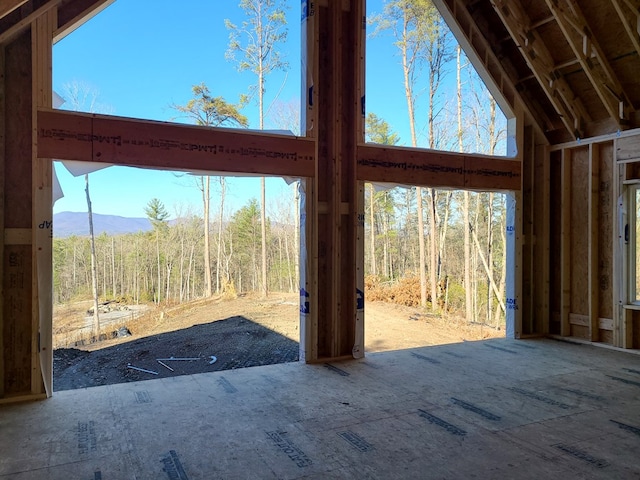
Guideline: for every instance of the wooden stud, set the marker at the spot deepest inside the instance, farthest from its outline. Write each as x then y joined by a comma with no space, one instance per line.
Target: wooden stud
309,305
565,247
2,214
593,228
619,269
544,238
42,219
18,329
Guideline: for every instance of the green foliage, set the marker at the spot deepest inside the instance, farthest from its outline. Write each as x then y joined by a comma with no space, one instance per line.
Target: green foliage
378,131
156,213
245,228
213,111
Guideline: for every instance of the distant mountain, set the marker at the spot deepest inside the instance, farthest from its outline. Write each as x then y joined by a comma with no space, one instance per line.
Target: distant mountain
66,224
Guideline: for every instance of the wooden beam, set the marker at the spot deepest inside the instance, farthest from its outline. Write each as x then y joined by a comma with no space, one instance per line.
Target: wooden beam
8,6
630,24
479,52
540,61
124,141
565,243
75,13
594,227
22,24
431,168
580,38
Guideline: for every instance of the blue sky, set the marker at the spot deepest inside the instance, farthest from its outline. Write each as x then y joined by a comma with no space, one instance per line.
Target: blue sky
142,56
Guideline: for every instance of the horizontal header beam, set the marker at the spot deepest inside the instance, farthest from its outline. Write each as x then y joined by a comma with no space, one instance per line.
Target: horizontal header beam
123,141
430,168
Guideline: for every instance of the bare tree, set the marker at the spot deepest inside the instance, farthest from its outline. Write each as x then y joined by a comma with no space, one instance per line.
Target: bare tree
210,111
264,30
81,96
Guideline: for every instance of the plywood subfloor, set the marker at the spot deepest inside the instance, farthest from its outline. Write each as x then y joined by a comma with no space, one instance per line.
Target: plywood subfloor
489,409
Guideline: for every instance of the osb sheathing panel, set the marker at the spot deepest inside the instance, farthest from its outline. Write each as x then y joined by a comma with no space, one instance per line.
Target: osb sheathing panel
16,276
555,289
580,331
579,231
605,234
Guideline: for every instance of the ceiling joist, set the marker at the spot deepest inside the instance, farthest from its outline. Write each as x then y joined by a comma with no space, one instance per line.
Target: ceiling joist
580,38
535,52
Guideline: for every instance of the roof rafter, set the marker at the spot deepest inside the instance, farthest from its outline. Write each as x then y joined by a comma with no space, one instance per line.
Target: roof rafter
580,38
26,19
539,59
628,21
8,6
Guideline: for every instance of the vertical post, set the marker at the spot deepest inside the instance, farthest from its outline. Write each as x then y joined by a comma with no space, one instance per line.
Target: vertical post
515,148
593,208
544,240
309,218
334,46
42,220
19,334
2,208
565,240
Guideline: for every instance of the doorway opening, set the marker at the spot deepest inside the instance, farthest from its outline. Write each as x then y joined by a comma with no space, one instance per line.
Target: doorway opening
158,312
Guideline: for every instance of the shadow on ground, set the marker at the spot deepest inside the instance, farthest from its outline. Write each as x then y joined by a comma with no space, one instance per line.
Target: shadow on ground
235,342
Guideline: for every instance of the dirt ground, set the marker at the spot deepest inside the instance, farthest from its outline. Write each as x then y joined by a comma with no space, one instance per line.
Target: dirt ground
223,334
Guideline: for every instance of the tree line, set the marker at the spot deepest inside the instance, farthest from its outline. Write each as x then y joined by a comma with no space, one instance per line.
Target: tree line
166,264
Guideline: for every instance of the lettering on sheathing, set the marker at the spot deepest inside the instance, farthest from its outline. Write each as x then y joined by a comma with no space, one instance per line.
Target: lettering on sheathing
87,439
628,428
226,385
171,145
356,440
337,370
625,381
473,408
582,455
172,466
540,398
425,358
143,397
449,427
582,394
502,349
282,441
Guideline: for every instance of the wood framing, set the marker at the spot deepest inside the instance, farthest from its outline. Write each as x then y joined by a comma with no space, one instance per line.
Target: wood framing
565,247
581,40
592,255
555,64
8,6
122,141
540,60
412,166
